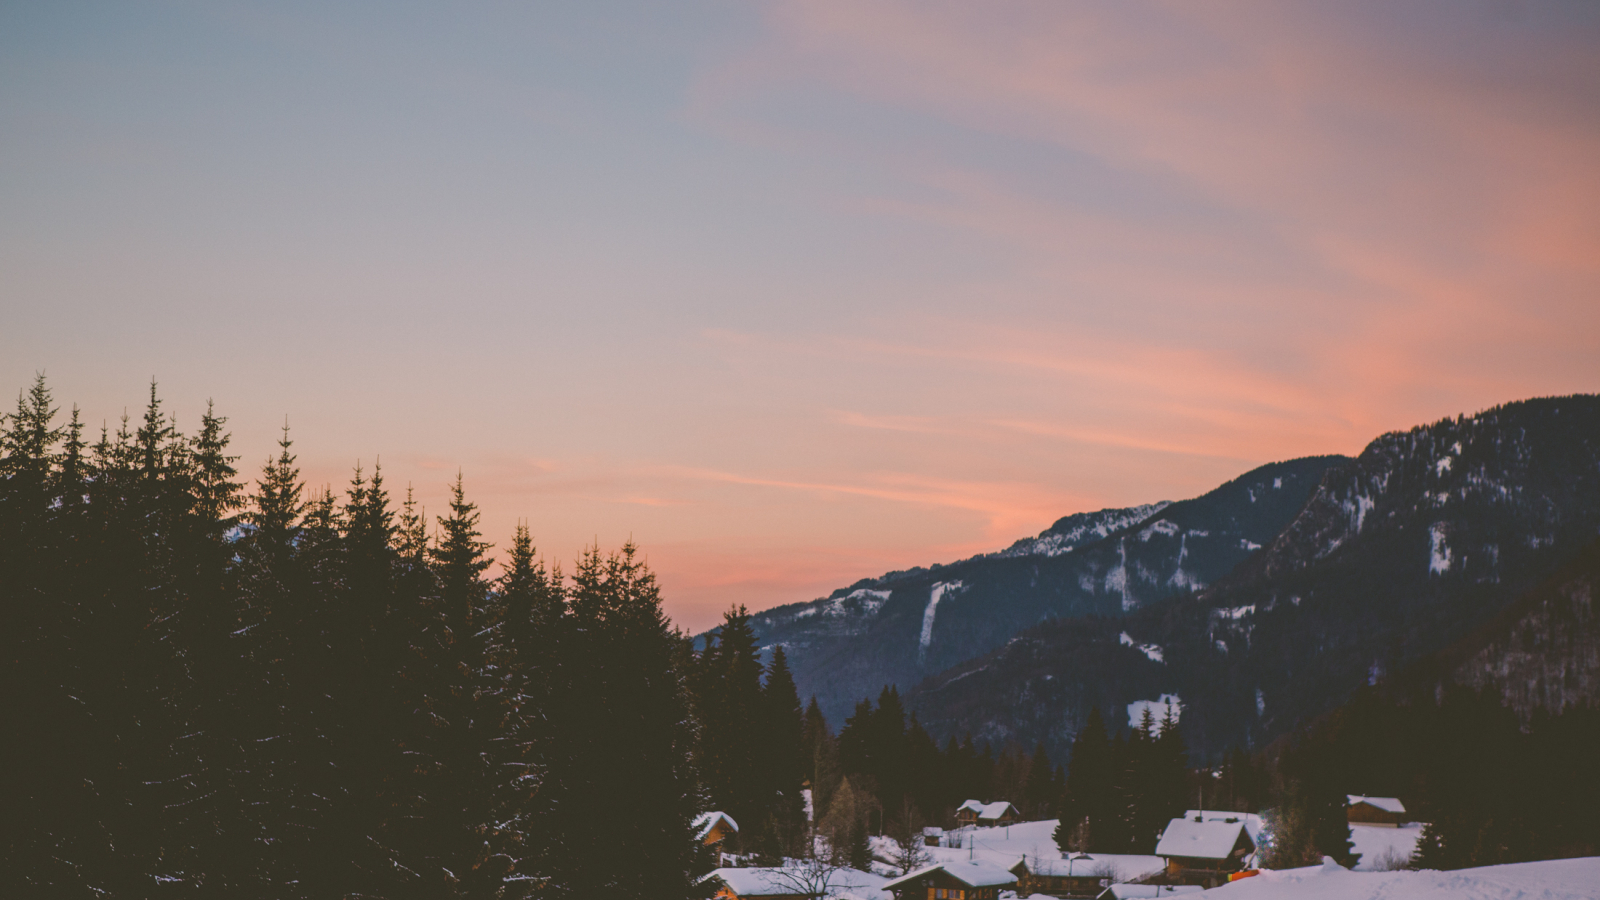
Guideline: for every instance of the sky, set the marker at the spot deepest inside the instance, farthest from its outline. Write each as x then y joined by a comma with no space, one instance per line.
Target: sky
793,294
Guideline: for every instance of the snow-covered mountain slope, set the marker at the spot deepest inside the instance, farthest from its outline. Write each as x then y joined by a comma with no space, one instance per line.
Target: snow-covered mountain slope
1421,540
905,625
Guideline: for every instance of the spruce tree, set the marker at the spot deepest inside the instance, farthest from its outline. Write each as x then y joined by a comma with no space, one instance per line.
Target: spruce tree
529,653
783,755
1090,819
623,747
733,758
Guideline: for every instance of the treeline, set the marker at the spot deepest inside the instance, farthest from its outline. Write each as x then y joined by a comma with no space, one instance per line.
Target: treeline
1492,787
212,689
749,750
1122,789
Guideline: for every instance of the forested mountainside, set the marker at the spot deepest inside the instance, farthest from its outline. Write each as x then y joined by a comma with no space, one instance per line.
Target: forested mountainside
1424,538
1543,652
904,626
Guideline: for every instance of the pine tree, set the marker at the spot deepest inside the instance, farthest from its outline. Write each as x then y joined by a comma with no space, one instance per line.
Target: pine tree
217,494
783,757
731,759
529,653
452,842
1090,818
1039,792
623,747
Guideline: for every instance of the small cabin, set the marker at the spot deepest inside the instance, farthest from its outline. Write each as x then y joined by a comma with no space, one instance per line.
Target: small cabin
976,812
1073,876
967,880
1386,811
713,827
1204,852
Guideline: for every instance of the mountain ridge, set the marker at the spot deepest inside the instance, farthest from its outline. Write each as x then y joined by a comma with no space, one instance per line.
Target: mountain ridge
905,625
1426,535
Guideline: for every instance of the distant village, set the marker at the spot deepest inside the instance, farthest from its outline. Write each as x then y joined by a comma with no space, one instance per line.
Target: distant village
987,852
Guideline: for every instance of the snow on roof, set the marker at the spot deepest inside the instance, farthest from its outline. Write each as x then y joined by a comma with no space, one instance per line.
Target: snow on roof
754,882
1199,840
1126,891
706,821
986,810
1252,821
852,884
1387,804
972,873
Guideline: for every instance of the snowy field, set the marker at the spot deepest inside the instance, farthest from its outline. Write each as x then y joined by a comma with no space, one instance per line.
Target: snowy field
1556,879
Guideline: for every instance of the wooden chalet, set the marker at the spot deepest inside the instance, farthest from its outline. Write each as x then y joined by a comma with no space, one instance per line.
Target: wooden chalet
976,812
1073,876
968,880
1386,811
713,827
1204,852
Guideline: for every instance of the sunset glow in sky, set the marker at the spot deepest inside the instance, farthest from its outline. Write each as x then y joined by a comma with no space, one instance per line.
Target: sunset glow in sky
798,293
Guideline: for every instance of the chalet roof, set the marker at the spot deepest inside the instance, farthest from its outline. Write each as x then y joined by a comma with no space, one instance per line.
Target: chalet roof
972,873
1128,891
706,821
770,881
1252,821
1387,804
1200,840
986,810
752,882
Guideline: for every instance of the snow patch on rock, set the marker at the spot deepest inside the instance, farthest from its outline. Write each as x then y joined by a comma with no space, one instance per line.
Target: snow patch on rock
1157,707
1439,550
1151,650
934,596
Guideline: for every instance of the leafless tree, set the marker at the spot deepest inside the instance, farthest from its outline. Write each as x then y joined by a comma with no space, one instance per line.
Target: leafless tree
812,876
905,829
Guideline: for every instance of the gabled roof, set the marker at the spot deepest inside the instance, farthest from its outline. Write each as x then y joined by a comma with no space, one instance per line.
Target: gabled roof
1387,804
754,882
1200,840
972,873
770,881
985,810
705,822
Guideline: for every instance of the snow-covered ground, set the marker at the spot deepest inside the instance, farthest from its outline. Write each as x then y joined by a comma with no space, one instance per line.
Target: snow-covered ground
1006,847
1384,848
1556,879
